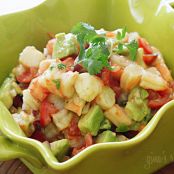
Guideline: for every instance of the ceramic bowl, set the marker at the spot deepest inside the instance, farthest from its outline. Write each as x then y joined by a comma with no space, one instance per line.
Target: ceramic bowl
148,151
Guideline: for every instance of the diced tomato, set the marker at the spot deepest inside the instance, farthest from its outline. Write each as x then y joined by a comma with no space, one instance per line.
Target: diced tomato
27,75
46,110
38,135
152,94
69,62
50,45
117,91
73,133
149,58
105,76
76,150
115,85
157,103
116,72
165,93
73,130
157,99
145,45
88,142
111,80
79,68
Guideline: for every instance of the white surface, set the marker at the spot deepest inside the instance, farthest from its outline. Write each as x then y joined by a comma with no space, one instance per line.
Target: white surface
10,6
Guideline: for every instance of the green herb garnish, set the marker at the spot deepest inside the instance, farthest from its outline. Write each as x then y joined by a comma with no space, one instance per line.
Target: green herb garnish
84,33
61,66
132,47
57,83
121,34
119,48
95,58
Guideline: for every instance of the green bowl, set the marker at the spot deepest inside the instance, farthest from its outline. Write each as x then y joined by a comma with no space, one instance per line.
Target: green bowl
150,150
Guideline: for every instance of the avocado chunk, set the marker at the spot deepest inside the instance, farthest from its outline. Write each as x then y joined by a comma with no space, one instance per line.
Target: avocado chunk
106,124
65,45
136,106
106,136
90,123
124,128
60,148
6,89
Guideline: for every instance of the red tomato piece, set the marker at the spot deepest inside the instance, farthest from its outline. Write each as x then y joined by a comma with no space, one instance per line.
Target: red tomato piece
115,85
157,99
145,45
105,76
27,75
46,109
88,142
149,58
69,62
76,150
79,68
38,135
165,93
157,103
73,130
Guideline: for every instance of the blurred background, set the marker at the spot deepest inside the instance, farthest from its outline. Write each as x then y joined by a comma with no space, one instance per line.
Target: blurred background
10,6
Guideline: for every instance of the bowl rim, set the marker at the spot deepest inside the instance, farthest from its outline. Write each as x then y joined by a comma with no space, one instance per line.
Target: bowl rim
48,157
52,162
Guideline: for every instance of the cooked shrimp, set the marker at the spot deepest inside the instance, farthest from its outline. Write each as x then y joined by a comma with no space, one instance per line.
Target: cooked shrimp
159,63
88,86
131,77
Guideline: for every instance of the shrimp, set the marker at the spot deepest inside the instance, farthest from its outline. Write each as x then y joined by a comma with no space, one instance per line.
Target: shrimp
118,116
159,63
151,79
38,91
131,77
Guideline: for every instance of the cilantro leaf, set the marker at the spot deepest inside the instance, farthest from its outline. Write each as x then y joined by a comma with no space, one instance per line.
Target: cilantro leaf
121,35
61,66
119,48
93,66
85,33
84,30
132,47
95,58
57,83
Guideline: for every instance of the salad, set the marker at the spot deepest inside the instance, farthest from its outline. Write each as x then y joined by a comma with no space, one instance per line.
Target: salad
88,86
